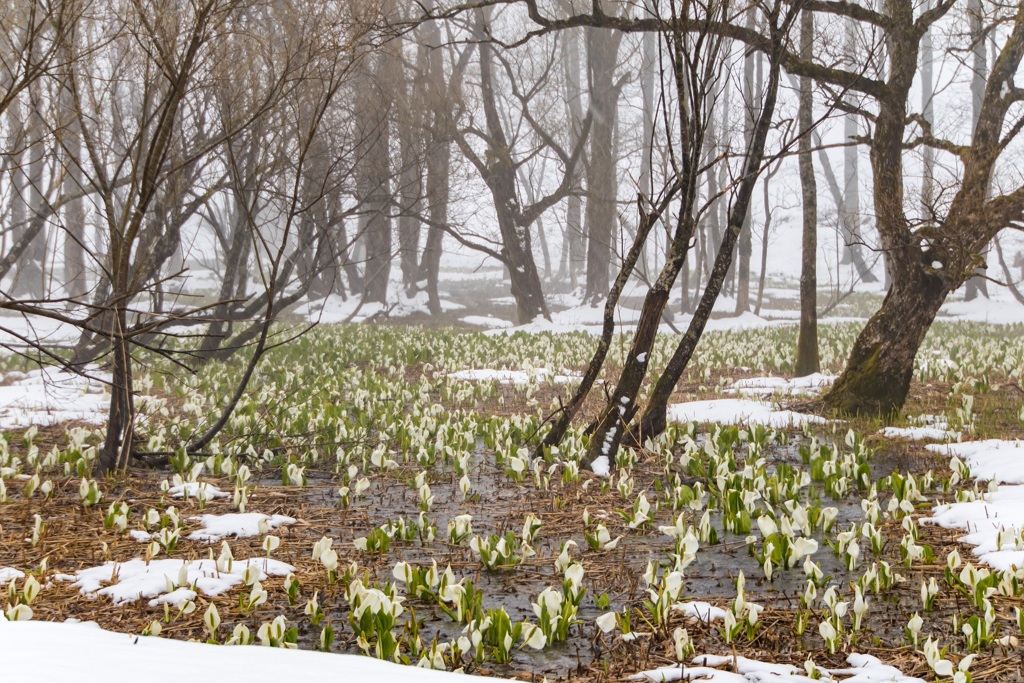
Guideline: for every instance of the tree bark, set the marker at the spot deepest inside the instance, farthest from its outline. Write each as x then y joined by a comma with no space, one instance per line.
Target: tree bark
878,373
746,243
602,52
807,342
977,285
376,185
574,243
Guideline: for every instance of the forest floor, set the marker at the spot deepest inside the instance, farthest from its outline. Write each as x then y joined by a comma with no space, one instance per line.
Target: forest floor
378,439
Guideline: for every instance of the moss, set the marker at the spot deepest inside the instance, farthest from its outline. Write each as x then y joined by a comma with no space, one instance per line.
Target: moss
867,388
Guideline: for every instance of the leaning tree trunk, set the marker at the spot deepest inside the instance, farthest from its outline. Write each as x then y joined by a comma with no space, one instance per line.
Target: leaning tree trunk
643,231
878,373
807,341
654,418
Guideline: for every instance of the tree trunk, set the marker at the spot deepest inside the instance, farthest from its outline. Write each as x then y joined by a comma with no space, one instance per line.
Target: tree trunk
654,418
74,209
977,285
409,125
602,52
376,186
746,243
807,342
438,161
117,444
574,244
878,373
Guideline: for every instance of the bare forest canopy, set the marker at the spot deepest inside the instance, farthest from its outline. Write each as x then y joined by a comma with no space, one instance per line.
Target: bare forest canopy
180,176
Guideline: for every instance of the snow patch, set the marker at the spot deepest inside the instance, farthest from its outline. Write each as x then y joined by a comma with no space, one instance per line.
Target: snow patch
992,460
918,433
47,651
239,525
698,610
767,386
993,525
135,579
48,396
739,411
862,669
601,466
8,574
196,489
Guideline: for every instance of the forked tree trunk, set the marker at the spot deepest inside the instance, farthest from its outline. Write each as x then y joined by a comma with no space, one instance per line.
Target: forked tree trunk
654,418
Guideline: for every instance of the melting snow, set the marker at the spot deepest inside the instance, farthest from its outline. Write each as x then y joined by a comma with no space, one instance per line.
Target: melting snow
84,653
512,376
918,433
8,574
47,396
994,523
862,669
767,386
240,525
739,411
193,489
993,460
699,610
134,579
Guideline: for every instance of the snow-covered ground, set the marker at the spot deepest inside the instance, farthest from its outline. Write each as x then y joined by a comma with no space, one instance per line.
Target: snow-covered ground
513,376
334,309
994,523
768,386
48,395
739,411
715,669
999,309
237,525
591,320
48,652
137,579
997,460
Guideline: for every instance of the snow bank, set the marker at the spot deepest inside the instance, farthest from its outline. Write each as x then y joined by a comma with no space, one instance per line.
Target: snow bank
47,396
992,460
46,652
994,523
739,411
